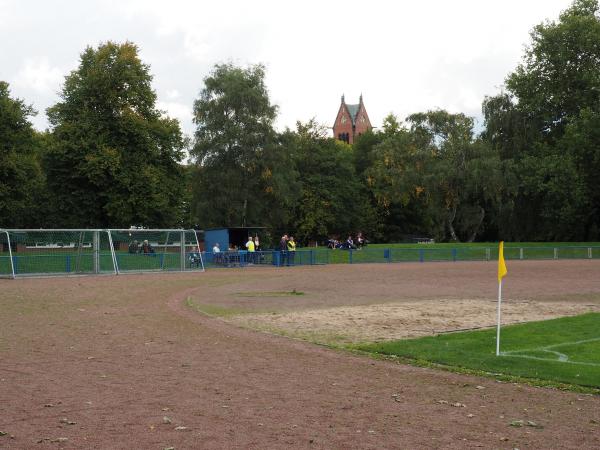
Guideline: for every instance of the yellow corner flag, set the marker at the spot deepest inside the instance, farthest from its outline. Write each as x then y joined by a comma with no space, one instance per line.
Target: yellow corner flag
501,264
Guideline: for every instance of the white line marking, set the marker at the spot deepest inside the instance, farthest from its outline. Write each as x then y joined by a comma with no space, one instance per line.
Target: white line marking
561,356
551,360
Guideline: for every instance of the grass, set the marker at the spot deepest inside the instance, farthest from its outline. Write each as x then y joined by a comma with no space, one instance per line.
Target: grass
565,350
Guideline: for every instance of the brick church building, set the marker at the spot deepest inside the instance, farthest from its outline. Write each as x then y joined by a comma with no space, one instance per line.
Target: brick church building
351,121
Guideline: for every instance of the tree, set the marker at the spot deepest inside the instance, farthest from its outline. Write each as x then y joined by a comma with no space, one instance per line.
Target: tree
244,177
395,180
332,200
560,74
114,158
21,179
463,177
543,128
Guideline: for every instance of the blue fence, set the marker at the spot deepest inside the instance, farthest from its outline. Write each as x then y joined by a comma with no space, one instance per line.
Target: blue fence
393,255
29,264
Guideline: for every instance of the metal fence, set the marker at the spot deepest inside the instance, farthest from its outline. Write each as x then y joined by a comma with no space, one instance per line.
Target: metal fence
393,255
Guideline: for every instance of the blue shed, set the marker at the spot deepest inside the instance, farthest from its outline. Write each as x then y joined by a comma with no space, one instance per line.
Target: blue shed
229,237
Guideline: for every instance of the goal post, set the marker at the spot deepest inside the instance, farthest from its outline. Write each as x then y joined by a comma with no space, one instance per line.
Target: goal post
7,269
155,250
47,252
63,252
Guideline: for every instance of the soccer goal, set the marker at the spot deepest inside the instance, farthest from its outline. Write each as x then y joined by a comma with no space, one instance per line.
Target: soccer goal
144,250
94,251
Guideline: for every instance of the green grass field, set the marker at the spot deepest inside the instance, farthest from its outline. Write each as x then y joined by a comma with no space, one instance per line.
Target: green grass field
565,350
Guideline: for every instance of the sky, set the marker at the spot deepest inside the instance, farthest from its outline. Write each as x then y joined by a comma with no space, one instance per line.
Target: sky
402,56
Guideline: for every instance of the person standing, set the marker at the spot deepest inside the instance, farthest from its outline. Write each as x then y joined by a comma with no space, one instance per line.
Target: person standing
256,243
250,248
283,248
217,257
291,248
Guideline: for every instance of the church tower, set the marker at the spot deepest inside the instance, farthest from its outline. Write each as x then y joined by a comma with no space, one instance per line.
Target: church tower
351,121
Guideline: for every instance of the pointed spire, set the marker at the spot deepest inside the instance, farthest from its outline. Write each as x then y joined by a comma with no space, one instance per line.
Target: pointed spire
343,101
360,101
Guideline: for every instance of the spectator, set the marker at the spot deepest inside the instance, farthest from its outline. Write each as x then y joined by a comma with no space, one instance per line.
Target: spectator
360,241
350,243
134,247
195,257
291,248
147,248
217,257
283,248
256,243
250,247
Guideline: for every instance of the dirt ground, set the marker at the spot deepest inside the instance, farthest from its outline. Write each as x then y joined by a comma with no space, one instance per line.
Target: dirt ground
129,362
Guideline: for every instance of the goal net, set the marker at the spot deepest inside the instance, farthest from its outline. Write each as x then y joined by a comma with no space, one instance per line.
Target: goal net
94,251
142,250
55,252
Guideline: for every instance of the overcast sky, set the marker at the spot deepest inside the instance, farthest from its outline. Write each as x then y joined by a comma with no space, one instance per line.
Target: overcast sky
403,56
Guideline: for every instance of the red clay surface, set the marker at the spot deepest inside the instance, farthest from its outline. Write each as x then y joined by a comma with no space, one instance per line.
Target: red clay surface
123,362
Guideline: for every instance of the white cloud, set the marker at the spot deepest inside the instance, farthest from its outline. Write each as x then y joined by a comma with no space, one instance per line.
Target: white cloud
176,110
404,57
173,94
39,75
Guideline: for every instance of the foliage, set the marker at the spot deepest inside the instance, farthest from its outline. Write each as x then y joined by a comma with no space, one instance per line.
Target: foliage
21,178
113,159
243,176
332,200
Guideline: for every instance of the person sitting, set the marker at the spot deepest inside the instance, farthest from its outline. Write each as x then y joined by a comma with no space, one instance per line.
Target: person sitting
134,247
350,243
195,258
147,248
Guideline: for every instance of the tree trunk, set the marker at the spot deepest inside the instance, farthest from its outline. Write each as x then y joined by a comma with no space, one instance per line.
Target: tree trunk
451,226
481,216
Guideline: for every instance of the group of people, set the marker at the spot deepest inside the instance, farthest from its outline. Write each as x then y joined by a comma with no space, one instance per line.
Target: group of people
146,248
287,247
349,244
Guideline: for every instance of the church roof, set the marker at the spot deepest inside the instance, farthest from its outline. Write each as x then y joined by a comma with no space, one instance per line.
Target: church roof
353,110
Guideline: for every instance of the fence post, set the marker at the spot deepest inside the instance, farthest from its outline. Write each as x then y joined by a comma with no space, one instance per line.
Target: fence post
487,254
521,253
68,263
181,251
312,257
555,253
96,257
590,252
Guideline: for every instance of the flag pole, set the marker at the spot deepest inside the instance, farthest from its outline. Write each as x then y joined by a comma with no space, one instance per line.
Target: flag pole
501,273
498,327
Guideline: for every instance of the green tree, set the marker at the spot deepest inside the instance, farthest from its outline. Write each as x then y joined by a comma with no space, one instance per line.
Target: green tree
395,180
243,175
114,157
332,200
21,179
543,128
